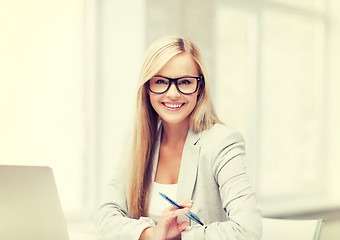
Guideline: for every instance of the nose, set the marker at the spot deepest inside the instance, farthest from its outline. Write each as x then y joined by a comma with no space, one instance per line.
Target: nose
173,92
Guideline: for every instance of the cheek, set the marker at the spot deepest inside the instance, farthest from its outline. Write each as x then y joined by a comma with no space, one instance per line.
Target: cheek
193,100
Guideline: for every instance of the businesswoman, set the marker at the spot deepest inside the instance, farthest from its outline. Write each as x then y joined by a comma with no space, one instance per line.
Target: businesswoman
180,148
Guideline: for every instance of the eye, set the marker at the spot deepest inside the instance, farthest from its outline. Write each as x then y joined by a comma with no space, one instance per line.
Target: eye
160,81
185,81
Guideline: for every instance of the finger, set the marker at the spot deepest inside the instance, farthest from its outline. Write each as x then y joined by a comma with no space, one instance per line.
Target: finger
187,203
169,215
182,226
184,204
181,211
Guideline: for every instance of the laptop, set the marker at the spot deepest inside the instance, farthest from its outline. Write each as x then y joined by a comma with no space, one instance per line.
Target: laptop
30,207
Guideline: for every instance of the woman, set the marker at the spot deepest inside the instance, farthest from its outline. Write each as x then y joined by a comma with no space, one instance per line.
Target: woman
182,149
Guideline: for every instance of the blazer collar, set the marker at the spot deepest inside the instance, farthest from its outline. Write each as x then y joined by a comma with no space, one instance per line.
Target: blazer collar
189,167
189,164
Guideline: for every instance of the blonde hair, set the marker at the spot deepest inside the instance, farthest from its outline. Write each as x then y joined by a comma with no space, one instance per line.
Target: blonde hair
147,120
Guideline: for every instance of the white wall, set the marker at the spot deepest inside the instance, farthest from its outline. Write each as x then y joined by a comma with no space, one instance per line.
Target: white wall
333,96
68,72
120,52
42,110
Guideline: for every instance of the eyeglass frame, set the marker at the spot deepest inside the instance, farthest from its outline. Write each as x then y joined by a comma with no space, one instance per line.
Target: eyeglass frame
174,80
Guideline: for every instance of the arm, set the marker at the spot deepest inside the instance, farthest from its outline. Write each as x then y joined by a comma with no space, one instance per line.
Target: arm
112,220
244,220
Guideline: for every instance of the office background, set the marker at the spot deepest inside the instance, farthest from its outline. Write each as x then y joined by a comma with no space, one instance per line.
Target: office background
68,74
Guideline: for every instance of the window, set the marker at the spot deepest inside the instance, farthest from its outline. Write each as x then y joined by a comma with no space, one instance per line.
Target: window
272,82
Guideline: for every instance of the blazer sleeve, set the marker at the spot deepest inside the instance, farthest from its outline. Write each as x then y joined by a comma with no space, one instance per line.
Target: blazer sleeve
244,218
112,221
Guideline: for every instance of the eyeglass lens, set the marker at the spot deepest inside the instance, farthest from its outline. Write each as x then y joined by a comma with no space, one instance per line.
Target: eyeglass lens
160,84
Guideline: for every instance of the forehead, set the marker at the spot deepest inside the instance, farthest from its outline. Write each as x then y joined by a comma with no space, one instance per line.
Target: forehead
180,65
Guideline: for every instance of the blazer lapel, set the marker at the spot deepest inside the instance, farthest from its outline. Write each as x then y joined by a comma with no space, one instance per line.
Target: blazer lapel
189,166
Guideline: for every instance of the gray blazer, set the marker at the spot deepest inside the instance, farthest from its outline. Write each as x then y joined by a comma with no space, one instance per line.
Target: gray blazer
213,175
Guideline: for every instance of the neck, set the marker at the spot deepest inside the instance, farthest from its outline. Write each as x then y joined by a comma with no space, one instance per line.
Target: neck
174,134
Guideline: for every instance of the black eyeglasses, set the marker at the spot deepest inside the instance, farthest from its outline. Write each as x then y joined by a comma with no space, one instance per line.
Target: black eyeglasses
185,85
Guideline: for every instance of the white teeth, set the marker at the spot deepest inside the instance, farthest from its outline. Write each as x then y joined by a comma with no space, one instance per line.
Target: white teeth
173,105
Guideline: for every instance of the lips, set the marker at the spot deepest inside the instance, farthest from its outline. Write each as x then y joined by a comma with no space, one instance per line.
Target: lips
173,106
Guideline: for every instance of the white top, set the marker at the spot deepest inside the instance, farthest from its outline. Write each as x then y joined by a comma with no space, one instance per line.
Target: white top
157,203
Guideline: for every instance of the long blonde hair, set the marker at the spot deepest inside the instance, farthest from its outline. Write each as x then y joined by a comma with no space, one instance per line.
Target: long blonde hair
147,120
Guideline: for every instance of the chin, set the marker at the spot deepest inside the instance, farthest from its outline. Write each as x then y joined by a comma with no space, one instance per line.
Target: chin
175,121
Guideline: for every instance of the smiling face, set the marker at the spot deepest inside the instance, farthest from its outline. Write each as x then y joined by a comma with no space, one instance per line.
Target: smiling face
172,106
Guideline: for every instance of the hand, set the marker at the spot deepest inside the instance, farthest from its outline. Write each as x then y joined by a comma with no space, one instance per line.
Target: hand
167,226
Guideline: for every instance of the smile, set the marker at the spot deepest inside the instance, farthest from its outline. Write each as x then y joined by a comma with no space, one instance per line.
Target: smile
173,106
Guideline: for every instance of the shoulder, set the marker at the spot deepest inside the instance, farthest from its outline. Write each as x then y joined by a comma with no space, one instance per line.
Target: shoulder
220,133
221,144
